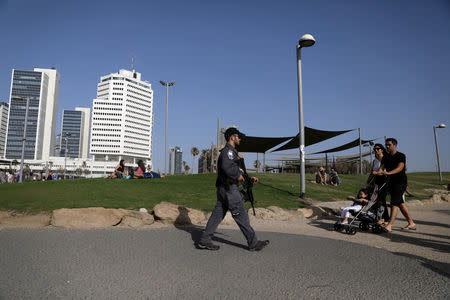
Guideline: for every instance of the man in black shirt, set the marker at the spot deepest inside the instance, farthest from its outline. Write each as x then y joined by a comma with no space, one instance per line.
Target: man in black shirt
393,165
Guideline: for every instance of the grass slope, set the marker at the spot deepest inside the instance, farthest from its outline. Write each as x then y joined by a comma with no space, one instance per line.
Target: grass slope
195,191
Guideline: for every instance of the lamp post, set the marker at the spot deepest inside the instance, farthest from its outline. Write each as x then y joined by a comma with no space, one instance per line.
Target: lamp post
67,134
306,40
166,84
437,149
23,140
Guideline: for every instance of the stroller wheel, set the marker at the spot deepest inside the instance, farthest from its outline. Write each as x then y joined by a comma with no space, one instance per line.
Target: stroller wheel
352,231
376,228
338,226
364,226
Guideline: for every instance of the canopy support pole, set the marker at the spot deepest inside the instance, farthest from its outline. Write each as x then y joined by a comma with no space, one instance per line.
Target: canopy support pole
360,152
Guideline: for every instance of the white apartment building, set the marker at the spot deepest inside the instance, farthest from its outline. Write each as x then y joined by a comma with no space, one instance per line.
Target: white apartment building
48,139
4,108
122,119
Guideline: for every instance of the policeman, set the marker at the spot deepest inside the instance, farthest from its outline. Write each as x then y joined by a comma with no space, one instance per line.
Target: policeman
228,196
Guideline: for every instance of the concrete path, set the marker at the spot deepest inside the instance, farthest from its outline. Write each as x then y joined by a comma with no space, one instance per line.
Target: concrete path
51,263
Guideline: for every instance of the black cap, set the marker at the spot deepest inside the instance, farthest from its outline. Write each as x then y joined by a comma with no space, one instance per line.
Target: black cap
232,130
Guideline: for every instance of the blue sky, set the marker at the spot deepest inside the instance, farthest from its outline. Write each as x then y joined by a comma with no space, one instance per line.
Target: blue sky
383,66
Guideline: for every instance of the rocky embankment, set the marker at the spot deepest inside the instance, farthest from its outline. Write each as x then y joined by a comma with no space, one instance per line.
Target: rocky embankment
166,213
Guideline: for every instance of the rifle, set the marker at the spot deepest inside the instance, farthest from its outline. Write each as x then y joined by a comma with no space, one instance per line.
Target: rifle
247,187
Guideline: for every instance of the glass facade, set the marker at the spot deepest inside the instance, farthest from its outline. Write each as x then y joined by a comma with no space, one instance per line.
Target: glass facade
175,160
57,148
71,123
26,84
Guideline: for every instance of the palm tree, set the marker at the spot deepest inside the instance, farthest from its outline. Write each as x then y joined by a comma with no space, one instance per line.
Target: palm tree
206,156
14,163
84,168
194,152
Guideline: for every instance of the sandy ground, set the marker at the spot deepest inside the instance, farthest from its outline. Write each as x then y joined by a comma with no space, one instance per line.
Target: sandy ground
430,243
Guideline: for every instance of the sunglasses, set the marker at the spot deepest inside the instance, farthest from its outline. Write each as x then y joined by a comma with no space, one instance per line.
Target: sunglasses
376,149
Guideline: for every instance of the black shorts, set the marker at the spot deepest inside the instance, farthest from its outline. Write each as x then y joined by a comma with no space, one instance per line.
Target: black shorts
397,192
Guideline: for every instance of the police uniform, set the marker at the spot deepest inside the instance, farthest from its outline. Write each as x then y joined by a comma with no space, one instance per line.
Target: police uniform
229,198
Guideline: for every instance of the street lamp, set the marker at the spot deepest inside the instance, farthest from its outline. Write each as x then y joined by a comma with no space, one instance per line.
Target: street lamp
67,134
166,84
437,150
23,140
306,40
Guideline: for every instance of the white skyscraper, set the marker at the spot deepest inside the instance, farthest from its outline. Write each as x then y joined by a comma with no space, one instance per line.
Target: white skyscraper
48,139
85,131
122,118
4,108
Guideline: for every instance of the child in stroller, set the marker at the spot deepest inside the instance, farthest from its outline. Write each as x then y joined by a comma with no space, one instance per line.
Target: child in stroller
366,210
358,202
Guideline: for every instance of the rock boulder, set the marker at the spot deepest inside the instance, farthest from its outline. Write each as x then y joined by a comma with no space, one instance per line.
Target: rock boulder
136,219
24,220
92,217
275,213
169,213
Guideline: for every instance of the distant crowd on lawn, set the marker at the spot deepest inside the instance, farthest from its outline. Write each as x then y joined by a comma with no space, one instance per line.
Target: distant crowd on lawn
323,178
12,176
120,172
123,172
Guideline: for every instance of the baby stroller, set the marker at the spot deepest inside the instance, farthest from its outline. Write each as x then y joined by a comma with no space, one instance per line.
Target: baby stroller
368,216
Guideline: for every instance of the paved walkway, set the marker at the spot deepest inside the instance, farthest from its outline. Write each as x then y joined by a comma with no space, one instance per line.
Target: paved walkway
304,260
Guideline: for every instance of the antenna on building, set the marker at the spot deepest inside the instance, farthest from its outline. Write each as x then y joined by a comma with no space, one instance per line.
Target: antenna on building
132,63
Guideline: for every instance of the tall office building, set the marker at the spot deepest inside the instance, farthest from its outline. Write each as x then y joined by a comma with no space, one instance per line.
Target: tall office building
122,118
33,86
71,132
75,132
4,108
85,131
175,160
41,87
48,139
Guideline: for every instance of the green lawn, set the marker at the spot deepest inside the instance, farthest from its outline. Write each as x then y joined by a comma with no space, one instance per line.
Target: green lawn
195,191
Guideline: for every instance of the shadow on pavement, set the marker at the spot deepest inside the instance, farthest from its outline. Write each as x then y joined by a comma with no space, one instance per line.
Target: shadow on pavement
436,245
441,246
324,225
196,231
438,267
447,212
430,223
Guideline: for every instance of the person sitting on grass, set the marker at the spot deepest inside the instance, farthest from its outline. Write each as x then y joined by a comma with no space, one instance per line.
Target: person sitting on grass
358,202
321,176
119,170
139,174
334,178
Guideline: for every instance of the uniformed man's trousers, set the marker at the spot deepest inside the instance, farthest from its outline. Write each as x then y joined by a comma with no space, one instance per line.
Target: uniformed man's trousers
229,199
